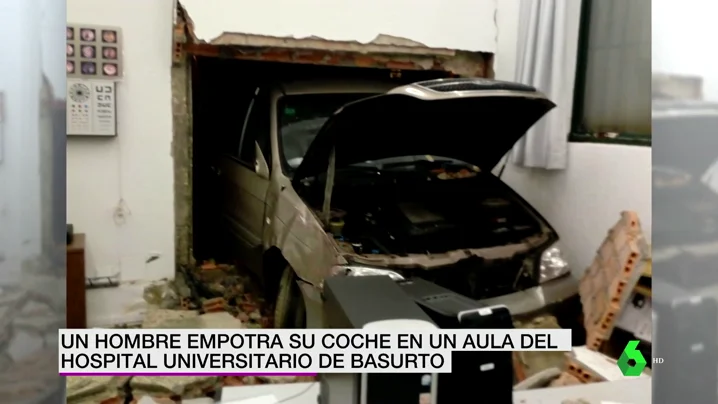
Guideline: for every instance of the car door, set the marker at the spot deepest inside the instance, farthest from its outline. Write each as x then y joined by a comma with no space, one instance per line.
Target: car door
244,176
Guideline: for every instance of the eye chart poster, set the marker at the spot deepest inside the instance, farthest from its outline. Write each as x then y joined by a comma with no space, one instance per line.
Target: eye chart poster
91,107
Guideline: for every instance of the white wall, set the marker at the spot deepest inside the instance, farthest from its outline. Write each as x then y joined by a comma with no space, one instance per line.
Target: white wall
465,24
679,28
585,200
507,33
132,173
20,79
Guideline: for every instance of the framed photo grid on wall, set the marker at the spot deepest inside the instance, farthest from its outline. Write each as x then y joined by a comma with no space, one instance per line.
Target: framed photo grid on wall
94,52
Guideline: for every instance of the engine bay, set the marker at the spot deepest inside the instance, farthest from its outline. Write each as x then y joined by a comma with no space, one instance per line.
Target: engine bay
421,210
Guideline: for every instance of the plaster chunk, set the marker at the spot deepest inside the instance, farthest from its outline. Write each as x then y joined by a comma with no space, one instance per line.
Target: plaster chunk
218,320
158,317
24,345
38,323
51,339
34,308
94,389
173,386
32,377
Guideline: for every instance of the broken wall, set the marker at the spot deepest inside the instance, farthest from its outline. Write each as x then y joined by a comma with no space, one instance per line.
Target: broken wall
121,190
467,25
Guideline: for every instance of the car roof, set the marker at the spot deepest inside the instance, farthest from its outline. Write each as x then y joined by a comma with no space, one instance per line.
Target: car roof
335,86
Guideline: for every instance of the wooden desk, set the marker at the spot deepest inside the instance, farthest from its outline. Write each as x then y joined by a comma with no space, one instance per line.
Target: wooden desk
76,307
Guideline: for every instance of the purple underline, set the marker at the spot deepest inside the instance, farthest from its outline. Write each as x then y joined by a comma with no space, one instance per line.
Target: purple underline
188,374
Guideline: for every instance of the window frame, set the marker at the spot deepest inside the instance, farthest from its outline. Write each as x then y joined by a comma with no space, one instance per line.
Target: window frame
579,134
260,100
241,145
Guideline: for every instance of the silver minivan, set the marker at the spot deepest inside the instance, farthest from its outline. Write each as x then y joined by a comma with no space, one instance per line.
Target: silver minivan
368,179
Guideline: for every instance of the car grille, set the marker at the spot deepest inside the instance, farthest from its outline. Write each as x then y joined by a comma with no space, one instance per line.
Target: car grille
476,279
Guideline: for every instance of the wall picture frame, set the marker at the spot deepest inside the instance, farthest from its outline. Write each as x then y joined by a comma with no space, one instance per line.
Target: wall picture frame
94,52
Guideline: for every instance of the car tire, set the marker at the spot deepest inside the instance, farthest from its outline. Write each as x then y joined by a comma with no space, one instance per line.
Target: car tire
289,309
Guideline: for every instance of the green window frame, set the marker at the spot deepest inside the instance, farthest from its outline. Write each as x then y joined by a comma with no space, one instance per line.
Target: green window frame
579,131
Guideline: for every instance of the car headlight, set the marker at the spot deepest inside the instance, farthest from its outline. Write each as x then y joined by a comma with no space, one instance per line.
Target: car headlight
354,270
552,265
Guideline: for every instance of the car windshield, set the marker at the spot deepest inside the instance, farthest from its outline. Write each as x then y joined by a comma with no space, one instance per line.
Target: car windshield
302,116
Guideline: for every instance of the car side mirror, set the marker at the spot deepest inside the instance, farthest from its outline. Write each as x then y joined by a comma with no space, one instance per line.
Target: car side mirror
260,163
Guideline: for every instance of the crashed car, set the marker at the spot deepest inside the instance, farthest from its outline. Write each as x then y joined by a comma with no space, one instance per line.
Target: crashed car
367,179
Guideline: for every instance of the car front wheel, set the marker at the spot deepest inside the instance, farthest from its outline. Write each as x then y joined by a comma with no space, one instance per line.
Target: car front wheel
289,309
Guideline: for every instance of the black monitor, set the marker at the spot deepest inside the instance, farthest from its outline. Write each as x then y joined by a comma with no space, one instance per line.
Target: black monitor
469,369
374,302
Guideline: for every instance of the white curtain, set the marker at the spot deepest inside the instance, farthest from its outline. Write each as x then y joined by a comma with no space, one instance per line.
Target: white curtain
546,59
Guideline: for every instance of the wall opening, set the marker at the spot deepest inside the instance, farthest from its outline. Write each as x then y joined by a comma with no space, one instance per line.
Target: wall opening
221,92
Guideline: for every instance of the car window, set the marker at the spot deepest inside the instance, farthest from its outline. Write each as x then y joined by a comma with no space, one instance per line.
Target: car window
300,119
256,129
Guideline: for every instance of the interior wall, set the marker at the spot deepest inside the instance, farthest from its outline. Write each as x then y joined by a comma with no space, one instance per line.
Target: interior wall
120,190
585,200
20,205
601,180
465,24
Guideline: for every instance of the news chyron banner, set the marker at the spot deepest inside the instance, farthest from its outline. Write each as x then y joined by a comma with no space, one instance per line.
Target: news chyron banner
107,352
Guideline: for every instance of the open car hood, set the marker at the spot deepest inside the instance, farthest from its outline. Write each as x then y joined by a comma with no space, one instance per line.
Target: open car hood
473,120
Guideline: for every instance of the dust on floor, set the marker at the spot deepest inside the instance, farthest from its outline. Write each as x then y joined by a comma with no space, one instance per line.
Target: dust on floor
31,311
210,295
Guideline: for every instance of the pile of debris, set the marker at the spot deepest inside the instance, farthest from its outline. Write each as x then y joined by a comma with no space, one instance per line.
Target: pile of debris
30,314
605,289
160,390
224,287
96,389
209,296
210,288
528,364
